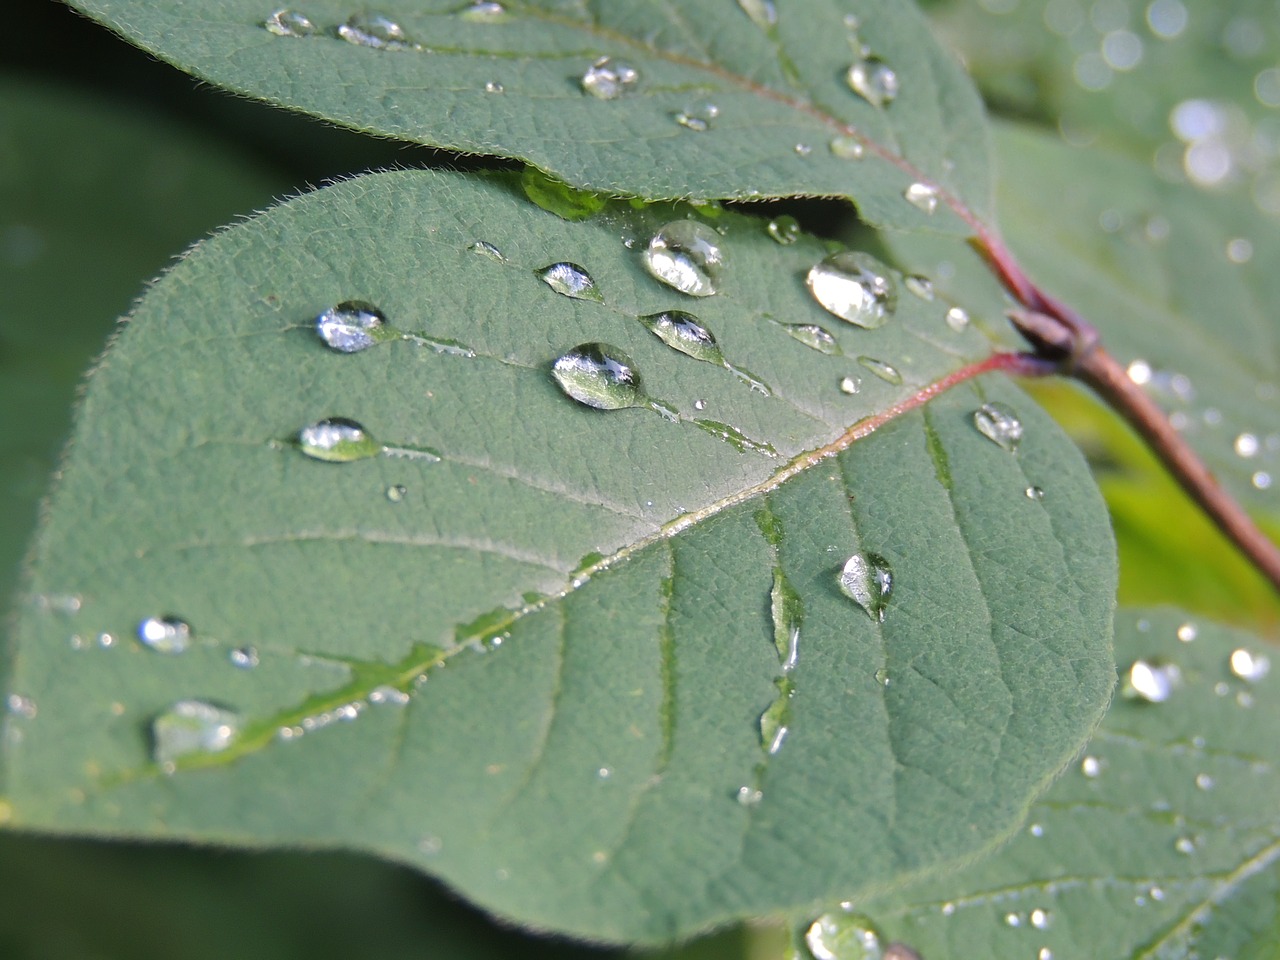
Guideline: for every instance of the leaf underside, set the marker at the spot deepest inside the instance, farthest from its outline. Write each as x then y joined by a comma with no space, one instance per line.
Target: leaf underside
512,87
576,755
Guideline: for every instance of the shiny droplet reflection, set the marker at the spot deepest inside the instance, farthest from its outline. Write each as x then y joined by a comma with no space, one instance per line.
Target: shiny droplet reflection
687,256
867,580
290,23
684,332
1000,424
337,440
1151,680
570,280
608,79
374,30
873,80
191,727
165,634
855,287
599,375
352,326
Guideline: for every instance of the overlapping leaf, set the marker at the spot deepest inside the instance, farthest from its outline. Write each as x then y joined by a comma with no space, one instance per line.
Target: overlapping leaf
767,100
1162,843
427,657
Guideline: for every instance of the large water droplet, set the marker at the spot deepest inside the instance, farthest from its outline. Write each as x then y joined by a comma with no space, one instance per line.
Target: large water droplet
1249,666
886,372
686,255
847,148
785,229
684,332
191,727
762,13
337,440
867,580
165,634
483,11
374,30
600,376
813,336
873,80
290,23
570,280
922,196
608,79
843,936
999,424
1151,681
352,326
855,287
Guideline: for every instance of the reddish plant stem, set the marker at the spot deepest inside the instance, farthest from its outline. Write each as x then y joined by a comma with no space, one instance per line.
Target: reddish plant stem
1062,336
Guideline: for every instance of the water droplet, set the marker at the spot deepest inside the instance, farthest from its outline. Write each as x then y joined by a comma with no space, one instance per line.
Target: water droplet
735,437
847,148
493,86
999,424
774,721
21,706
958,319
922,196
604,773
191,727
1187,632
874,81
1261,480
699,404
608,79
1036,830
1204,781
813,336
1185,845
1012,920
919,286
1247,445
165,634
762,13
1239,250
886,372
289,23
684,332
1044,954
246,658
686,255
353,325
599,375
850,385
749,796
374,30
483,11
388,696
843,936
1151,681
337,440
698,119
882,677
867,580
486,249
948,909
1091,767
785,229
396,492
788,615
1249,666
803,149
1034,493
855,287
570,280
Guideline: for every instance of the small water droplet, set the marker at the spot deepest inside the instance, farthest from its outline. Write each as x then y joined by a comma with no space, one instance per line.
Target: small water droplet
388,696
867,580
999,424
352,326
1187,632
850,385
874,81
919,286
1012,920
1140,372
599,375
785,229
843,936
337,440
686,255
774,721
1091,767
948,909
735,437
289,23
1044,954
191,727
608,79
855,287
922,196
486,249
396,492
684,332
1185,845
165,634
570,280
493,86
1151,681
762,13
1249,666
1204,781
847,148
1246,445
483,11
699,404
21,706
958,319
885,371
1261,480
699,118
749,796
1034,493
1239,250
882,677
246,658
814,337
374,30
1036,830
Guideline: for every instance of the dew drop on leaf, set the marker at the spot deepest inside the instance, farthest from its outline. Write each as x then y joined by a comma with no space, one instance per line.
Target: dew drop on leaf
855,287
1040,919
373,30
483,11
1034,493
919,286
802,149
1187,632
850,385
570,280
397,492
1151,681
885,371
873,80
1091,767
191,727
843,936
1246,445
762,13
785,229
337,440
352,326
1249,666
922,196
245,658
21,706
600,376
684,332
749,796
957,319
735,437
608,79
847,148
699,118
687,256
774,721
289,23
165,634
867,580
388,696
1000,424
486,249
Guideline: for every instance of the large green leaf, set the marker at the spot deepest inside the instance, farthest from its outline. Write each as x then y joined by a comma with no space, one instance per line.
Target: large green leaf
1180,284
511,85
587,593
1163,842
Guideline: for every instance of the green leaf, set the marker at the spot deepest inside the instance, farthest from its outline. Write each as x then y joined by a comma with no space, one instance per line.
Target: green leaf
767,102
1151,265
1162,841
79,230
586,592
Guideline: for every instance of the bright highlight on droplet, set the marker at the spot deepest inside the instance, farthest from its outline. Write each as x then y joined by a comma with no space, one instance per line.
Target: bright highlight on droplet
165,634
856,287
687,256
